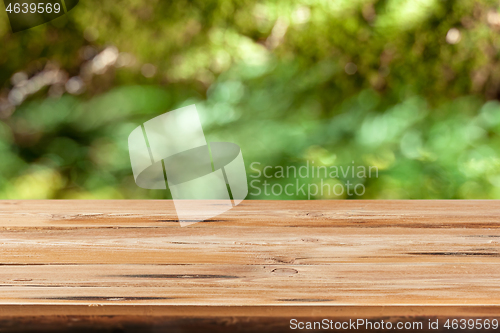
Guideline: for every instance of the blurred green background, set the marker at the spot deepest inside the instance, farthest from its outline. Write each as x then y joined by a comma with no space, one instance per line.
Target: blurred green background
408,86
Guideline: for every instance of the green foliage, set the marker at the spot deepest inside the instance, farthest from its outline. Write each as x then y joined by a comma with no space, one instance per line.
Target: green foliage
408,87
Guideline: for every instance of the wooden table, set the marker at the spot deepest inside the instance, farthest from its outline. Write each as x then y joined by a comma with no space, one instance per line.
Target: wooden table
129,265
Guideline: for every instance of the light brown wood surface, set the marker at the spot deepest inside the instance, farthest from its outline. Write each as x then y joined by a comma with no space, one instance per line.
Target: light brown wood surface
262,258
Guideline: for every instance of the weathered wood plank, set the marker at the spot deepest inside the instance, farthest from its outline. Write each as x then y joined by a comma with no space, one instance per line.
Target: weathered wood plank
262,258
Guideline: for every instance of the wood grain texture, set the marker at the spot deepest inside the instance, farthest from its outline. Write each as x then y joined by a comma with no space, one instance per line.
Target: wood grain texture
260,259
